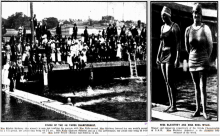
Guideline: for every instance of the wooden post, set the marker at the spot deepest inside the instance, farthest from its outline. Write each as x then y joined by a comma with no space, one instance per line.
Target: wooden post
32,23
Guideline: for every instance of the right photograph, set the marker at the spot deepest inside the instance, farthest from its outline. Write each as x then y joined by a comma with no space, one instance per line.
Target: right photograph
184,53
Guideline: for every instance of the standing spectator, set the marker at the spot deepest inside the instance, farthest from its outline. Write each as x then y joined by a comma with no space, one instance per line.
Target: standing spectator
134,31
53,51
35,21
75,30
69,42
86,35
20,35
20,72
59,52
12,75
70,55
58,31
44,61
139,52
18,49
5,72
104,34
39,31
133,51
119,48
44,28
139,27
28,69
114,30
39,63
8,52
24,55
64,53
143,35
34,47
34,64
109,31
83,57
123,35
124,51
27,48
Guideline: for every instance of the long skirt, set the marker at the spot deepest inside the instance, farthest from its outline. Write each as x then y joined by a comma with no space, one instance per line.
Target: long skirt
5,80
53,57
69,60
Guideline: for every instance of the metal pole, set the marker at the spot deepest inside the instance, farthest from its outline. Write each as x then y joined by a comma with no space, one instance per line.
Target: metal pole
32,23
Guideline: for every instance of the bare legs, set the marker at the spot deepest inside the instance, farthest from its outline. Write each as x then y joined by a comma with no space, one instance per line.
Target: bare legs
199,80
168,72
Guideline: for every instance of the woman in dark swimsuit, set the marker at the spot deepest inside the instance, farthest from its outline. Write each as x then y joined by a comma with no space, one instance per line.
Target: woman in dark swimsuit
168,55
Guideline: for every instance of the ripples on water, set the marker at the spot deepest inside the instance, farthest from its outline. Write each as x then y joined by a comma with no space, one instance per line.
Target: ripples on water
120,99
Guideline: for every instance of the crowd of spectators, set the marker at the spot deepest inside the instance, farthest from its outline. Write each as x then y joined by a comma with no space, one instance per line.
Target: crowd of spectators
75,50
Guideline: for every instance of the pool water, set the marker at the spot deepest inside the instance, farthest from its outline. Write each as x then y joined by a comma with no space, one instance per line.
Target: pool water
14,109
127,102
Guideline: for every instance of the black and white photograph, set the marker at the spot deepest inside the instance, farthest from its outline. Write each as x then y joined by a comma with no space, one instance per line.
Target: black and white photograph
77,61
184,56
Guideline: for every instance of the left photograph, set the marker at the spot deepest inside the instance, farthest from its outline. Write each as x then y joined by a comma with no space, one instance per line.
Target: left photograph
73,61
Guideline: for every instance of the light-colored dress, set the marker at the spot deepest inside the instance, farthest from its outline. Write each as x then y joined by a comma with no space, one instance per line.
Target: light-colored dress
83,56
70,55
119,51
53,52
58,55
5,72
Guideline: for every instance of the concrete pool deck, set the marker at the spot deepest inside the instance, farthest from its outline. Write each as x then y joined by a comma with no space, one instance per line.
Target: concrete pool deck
65,109
182,114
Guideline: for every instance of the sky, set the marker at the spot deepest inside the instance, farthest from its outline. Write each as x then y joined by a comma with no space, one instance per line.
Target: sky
79,10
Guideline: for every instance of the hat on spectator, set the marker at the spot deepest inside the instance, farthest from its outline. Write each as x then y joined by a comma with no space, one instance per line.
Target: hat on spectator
134,43
44,36
73,41
20,28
